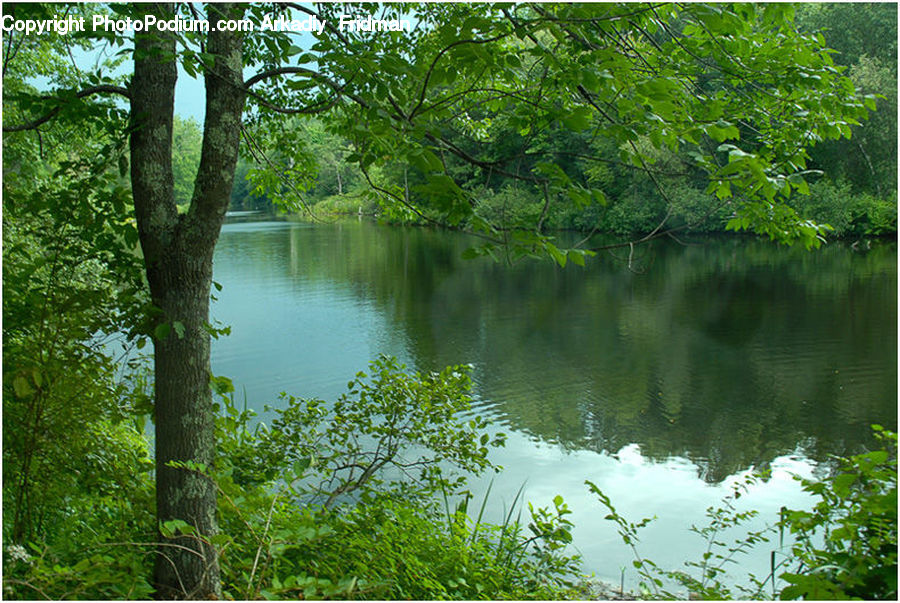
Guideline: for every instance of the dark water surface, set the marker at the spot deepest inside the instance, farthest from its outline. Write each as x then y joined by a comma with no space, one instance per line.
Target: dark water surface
661,384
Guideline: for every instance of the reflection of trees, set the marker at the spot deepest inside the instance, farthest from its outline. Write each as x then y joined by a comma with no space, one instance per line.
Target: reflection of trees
730,353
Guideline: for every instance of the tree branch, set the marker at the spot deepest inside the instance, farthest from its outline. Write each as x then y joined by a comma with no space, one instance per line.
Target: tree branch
101,89
437,57
338,89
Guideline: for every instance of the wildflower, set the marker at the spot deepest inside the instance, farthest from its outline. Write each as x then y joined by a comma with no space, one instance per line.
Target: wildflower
17,552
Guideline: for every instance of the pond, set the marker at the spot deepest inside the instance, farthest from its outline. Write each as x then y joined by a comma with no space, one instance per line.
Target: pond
662,383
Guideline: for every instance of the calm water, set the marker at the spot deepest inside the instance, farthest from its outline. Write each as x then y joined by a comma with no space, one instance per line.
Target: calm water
660,384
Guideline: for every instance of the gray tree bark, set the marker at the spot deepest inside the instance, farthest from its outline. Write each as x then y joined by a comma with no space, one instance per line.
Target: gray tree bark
178,251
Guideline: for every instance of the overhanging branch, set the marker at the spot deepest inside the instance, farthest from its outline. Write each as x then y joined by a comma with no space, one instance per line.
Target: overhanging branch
101,89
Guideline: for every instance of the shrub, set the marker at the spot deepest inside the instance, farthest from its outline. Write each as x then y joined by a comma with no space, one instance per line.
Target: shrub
343,500
849,213
511,207
346,204
846,546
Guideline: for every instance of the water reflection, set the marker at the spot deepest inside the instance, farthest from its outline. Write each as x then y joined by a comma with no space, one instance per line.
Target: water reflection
661,385
731,352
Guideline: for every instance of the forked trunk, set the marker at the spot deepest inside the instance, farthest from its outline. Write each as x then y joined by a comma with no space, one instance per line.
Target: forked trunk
178,250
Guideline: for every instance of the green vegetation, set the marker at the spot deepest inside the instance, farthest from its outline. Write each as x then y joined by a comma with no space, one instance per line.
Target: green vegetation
852,183
355,500
506,121
364,499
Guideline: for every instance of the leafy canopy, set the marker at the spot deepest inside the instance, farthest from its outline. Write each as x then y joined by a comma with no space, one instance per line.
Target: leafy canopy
735,88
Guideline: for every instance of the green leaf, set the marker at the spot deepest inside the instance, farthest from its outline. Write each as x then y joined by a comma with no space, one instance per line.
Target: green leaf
221,385
590,81
172,527
876,457
556,254
426,161
799,183
221,539
162,331
722,130
579,119
576,256
842,483
599,197
22,387
580,197
299,467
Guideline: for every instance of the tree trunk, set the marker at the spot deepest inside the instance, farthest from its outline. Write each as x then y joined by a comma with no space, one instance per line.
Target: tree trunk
185,424
178,251
405,185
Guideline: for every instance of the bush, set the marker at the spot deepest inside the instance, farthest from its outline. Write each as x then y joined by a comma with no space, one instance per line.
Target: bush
511,207
394,547
344,500
77,489
346,204
98,572
389,546
857,517
849,213
702,211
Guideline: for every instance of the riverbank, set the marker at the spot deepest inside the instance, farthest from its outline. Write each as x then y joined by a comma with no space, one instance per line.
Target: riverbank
850,215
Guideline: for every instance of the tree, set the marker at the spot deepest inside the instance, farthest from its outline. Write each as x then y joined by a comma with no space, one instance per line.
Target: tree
71,283
643,77
864,38
186,142
736,88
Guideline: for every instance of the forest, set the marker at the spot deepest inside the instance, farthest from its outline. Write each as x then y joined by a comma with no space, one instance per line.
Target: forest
505,150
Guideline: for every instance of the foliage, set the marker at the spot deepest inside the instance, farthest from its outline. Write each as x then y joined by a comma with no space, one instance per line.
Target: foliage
71,281
388,546
857,516
76,485
186,142
481,98
395,540
98,572
633,164
845,547
510,206
864,37
335,176
68,491
244,196
416,551
391,539
867,29
474,93
390,429
348,204
850,213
